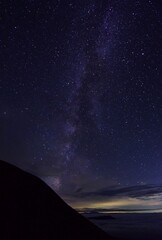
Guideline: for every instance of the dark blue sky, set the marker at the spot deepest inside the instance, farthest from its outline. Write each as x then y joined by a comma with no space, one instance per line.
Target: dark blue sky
80,92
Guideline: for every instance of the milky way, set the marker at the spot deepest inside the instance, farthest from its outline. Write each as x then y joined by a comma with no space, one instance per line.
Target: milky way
85,85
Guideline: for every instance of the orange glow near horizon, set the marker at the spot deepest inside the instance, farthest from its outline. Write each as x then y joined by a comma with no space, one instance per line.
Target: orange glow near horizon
124,203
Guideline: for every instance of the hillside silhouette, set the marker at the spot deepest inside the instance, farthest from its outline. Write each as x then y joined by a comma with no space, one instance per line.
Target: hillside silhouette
29,209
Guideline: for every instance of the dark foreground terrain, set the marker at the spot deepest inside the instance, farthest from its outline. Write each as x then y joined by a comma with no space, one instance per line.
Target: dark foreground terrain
29,209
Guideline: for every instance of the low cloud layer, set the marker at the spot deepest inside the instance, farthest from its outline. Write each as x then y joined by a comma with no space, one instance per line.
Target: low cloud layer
141,191
134,197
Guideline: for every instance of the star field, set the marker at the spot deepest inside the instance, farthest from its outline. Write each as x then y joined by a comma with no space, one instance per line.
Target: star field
81,92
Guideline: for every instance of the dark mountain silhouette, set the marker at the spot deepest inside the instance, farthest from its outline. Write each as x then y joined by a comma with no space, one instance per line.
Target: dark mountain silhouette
29,209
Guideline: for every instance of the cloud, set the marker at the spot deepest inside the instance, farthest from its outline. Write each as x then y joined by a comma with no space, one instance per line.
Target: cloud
142,191
132,198
143,197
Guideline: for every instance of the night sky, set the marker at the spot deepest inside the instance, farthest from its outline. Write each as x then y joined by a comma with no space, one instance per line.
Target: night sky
80,94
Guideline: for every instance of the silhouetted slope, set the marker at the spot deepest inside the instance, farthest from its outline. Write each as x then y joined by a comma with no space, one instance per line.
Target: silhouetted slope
29,209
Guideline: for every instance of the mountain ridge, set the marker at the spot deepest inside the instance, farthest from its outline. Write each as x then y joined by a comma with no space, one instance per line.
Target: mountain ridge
30,209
